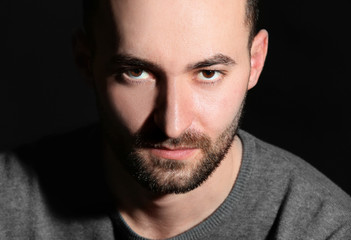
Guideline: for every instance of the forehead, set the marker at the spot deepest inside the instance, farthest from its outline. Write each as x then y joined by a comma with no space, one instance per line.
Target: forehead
202,27
174,9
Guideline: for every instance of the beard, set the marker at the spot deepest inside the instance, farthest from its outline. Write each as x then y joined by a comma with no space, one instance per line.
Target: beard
168,176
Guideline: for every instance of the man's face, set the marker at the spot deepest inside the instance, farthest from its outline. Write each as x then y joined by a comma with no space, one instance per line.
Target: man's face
171,78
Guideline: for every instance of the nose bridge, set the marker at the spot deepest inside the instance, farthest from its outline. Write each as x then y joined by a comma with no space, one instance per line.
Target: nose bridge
174,115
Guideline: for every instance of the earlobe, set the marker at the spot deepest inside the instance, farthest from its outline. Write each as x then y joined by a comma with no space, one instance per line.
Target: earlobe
258,56
82,54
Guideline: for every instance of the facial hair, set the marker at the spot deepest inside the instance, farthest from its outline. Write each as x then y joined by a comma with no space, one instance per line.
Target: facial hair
167,176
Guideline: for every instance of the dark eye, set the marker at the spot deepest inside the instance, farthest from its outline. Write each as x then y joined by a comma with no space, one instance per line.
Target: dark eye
137,74
208,73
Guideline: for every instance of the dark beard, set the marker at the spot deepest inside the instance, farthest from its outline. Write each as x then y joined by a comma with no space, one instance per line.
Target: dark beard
167,176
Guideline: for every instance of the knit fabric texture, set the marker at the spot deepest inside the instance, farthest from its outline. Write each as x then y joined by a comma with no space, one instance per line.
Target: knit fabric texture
55,189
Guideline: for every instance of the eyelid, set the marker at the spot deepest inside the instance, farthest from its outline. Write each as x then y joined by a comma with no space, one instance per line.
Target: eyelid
143,72
123,74
221,74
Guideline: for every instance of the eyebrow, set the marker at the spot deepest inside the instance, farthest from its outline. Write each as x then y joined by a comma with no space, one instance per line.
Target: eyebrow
127,60
214,60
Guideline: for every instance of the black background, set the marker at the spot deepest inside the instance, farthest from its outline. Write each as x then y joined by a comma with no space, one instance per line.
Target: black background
302,101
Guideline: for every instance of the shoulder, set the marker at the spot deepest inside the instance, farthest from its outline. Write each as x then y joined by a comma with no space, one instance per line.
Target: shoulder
18,192
53,166
46,185
14,174
272,162
306,200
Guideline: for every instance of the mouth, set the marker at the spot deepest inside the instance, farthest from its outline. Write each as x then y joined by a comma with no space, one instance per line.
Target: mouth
182,153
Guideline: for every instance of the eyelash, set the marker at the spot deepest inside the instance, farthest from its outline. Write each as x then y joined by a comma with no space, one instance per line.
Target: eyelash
122,75
209,82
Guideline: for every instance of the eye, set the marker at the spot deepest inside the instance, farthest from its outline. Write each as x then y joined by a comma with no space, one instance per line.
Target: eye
209,75
137,74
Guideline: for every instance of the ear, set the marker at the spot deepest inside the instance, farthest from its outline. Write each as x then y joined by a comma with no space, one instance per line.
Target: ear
259,50
82,54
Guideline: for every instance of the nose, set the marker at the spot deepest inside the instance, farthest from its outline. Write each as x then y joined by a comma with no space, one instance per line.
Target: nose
174,111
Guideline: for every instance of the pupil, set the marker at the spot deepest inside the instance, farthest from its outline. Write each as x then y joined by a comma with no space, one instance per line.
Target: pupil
135,72
208,73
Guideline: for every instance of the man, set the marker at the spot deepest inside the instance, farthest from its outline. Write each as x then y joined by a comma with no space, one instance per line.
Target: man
171,79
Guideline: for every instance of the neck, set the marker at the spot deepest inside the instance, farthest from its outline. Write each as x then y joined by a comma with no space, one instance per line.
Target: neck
162,216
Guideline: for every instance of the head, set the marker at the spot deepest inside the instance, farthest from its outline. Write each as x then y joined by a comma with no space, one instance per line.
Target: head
171,79
90,8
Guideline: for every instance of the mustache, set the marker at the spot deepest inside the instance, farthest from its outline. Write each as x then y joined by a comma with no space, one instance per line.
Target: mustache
190,138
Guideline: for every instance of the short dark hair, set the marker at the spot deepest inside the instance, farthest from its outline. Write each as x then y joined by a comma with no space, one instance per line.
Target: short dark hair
252,13
90,8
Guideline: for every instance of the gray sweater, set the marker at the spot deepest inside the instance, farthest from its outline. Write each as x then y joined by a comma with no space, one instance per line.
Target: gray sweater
55,190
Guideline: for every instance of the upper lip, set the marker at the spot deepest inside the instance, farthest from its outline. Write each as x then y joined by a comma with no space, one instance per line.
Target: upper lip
173,148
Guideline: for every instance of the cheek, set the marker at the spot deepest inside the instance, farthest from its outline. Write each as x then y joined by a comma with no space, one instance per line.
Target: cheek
133,105
220,108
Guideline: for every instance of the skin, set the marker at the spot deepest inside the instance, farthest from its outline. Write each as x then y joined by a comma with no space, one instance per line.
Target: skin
174,96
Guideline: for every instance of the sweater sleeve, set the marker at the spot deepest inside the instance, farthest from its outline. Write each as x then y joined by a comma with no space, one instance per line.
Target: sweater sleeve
342,233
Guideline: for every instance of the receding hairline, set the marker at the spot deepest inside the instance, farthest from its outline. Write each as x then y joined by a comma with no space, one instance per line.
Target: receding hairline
91,7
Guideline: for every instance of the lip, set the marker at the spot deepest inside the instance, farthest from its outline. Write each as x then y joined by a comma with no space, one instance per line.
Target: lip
174,154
